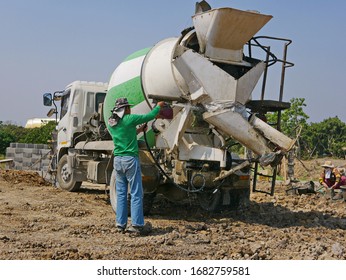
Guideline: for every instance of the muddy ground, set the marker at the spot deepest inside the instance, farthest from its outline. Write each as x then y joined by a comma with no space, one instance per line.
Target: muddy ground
39,221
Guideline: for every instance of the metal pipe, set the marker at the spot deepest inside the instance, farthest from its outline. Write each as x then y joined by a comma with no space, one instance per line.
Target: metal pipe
264,82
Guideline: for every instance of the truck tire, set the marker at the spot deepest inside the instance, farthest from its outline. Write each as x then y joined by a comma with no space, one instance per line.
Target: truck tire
147,200
113,195
239,198
210,201
65,178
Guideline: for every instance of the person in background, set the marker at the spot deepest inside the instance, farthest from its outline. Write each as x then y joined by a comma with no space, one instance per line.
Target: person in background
331,179
122,126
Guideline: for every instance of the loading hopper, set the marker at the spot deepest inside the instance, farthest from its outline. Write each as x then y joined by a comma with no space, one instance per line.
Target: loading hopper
223,32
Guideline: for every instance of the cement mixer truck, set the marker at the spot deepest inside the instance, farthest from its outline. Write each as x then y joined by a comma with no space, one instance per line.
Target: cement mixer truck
206,78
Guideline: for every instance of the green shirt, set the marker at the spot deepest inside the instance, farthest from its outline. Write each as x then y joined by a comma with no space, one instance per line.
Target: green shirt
124,134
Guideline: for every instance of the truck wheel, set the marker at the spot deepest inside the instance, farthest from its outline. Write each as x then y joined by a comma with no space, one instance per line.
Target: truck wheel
147,200
65,178
210,201
239,198
113,195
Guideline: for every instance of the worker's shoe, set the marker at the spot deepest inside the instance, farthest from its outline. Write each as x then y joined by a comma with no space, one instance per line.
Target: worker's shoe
338,196
120,229
134,230
147,228
140,230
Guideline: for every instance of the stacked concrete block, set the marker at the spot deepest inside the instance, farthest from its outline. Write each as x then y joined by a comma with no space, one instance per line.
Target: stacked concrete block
29,156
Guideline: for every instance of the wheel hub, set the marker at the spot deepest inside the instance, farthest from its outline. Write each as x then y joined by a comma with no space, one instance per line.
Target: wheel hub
65,174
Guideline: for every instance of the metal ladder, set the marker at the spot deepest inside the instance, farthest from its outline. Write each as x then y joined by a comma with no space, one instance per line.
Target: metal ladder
261,107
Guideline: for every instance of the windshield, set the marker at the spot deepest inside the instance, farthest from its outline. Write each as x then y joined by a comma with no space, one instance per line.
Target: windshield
64,103
100,97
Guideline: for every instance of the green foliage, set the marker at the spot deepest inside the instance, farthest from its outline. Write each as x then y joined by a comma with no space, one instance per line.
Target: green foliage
315,139
324,138
292,119
12,130
5,140
39,135
10,133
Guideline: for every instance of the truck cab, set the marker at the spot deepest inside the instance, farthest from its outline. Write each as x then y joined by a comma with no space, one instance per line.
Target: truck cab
80,120
80,103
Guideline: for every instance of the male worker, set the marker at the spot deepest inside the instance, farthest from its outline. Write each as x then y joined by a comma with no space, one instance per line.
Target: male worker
122,127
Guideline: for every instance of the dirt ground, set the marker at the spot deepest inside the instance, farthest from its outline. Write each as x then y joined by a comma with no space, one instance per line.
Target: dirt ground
39,221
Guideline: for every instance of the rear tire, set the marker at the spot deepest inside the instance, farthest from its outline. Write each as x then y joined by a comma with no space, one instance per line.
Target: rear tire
239,198
210,201
147,200
65,177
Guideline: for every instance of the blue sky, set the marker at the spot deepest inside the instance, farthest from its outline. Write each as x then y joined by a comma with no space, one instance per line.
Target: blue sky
46,44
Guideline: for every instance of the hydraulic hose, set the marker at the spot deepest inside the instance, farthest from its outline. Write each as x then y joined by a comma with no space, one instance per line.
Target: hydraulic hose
164,173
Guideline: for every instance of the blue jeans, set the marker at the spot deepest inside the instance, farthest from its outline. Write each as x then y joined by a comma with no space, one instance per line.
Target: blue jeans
128,172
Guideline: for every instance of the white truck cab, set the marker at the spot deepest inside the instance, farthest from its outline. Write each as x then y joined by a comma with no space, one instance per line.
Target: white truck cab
80,120
79,103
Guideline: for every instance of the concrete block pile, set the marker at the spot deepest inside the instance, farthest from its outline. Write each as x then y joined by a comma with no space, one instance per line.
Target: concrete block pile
29,156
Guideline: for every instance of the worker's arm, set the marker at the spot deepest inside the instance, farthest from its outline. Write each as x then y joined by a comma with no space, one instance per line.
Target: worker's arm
321,180
337,177
139,119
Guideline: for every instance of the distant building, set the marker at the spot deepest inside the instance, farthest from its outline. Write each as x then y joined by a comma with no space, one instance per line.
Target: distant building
37,122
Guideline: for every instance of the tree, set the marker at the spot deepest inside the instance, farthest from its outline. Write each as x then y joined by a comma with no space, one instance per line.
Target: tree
39,135
316,139
293,120
5,140
325,138
16,131
10,133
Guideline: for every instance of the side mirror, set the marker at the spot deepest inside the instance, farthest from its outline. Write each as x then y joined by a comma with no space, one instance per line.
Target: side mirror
47,99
